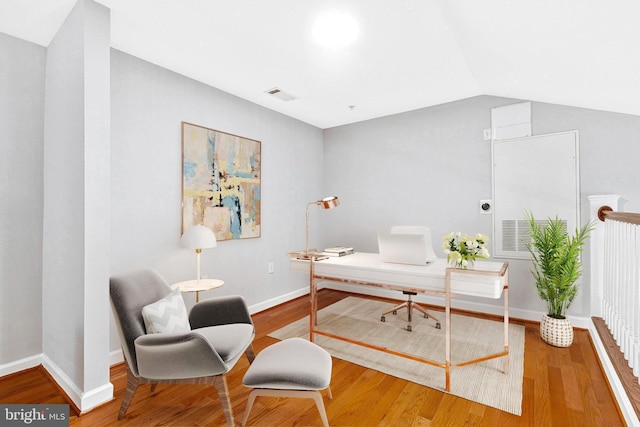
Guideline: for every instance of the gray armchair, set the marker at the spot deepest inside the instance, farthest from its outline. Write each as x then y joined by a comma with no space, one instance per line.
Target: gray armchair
221,331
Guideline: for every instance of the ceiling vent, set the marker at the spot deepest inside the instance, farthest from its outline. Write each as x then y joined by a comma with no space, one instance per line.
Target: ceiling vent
280,94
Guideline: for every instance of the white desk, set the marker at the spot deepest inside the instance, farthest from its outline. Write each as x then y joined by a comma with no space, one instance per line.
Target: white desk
198,285
486,280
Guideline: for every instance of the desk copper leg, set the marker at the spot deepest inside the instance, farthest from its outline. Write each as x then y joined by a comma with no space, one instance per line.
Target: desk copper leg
313,303
506,326
311,315
447,381
447,336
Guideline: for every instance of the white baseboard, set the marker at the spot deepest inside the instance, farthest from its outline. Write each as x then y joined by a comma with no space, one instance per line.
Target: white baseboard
21,365
255,308
116,357
84,401
96,397
616,385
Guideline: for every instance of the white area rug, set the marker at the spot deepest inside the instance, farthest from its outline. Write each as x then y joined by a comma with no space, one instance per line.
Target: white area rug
471,338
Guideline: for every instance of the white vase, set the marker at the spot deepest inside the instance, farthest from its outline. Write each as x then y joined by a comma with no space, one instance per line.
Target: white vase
557,332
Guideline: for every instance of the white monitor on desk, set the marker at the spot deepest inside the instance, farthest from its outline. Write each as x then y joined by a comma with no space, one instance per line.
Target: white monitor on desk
418,229
402,249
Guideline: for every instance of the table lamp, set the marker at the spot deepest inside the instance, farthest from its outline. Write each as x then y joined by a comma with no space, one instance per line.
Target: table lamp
198,237
326,203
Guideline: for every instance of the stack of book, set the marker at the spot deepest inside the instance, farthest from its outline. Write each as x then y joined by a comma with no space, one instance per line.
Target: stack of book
338,251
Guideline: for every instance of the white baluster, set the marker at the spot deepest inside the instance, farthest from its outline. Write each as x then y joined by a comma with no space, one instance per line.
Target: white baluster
635,284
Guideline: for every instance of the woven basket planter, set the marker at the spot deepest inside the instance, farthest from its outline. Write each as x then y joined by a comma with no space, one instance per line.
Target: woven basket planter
557,332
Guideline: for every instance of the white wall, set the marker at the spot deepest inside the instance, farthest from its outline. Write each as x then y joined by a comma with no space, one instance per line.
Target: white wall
431,167
21,133
76,206
148,105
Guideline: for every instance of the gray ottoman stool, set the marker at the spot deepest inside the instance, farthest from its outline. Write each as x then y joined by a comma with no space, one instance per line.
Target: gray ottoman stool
291,368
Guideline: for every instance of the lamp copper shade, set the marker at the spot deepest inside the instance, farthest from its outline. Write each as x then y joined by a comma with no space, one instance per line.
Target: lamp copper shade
326,203
329,202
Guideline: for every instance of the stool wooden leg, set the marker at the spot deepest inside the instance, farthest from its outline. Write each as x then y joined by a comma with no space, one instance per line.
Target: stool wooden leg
317,397
309,394
252,398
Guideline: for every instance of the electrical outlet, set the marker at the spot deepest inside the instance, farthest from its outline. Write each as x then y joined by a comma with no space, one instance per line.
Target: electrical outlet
270,268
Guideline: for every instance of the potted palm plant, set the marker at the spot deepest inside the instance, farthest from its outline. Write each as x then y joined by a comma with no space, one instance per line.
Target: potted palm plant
557,266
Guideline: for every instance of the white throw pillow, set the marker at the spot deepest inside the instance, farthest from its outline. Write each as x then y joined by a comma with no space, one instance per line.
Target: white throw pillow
166,315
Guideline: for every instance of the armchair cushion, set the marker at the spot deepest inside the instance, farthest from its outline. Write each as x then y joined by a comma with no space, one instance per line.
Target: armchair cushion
230,341
199,353
219,311
168,314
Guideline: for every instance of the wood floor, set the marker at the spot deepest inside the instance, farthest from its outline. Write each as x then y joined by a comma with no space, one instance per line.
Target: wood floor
561,387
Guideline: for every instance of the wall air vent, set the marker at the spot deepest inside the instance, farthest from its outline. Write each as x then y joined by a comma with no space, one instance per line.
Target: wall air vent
280,94
515,234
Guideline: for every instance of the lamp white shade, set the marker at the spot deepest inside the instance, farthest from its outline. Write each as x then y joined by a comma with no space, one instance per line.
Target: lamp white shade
198,237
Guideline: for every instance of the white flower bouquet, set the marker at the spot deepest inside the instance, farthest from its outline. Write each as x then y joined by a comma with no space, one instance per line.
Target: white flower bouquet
463,249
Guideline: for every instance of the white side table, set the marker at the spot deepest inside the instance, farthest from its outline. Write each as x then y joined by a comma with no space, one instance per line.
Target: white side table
198,285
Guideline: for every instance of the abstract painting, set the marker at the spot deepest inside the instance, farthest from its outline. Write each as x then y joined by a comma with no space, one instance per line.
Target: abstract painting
220,182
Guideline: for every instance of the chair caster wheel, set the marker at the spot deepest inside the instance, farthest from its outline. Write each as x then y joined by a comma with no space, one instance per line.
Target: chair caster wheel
394,312
382,319
426,317
438,326
409,328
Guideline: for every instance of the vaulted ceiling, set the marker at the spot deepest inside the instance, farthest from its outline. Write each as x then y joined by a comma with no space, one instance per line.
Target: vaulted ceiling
408,54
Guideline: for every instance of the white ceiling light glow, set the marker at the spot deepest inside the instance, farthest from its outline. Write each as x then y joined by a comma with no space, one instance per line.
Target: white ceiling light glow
335,30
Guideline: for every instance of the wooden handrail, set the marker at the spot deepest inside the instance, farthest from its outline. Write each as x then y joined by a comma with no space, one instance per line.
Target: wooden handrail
605,212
